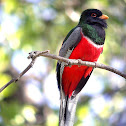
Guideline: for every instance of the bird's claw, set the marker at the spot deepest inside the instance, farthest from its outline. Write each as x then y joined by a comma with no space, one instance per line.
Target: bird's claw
79,62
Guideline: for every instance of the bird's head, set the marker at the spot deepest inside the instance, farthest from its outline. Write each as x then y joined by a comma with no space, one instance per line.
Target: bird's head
93,17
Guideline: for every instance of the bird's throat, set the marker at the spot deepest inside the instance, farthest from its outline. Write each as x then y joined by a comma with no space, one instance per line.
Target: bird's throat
95,33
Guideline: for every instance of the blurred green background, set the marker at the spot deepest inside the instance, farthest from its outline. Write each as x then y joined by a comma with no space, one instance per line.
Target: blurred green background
28,25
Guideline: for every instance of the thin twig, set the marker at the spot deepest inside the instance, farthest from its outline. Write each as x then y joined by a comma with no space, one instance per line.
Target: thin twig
33,55
80,62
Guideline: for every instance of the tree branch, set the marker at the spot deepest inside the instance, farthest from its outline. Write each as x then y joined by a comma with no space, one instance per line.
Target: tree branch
33,55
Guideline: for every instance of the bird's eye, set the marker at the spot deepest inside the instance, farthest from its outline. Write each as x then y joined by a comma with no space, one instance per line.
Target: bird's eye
94,15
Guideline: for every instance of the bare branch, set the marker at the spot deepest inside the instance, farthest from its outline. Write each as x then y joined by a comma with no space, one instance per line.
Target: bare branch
33,55
70,62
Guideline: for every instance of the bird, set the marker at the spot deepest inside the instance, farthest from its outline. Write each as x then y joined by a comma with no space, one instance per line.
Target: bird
84,42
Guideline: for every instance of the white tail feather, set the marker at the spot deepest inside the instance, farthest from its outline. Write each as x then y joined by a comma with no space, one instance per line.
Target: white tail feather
67,111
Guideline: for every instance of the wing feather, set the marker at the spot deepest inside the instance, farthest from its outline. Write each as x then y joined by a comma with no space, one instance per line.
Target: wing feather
69,43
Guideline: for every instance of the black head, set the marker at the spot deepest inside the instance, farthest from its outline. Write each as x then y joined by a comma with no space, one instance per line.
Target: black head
93,17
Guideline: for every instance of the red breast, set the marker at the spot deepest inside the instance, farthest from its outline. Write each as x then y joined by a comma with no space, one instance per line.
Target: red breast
86,50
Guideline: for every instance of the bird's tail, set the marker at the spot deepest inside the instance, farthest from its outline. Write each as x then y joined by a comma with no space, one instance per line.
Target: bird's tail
67,110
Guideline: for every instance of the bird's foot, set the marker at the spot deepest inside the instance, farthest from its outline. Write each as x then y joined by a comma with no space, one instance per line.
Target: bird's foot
79,62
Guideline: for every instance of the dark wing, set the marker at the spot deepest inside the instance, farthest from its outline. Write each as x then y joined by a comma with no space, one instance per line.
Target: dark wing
69,43
80,85
58,74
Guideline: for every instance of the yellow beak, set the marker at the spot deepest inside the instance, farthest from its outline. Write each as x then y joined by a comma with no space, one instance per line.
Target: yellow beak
104,17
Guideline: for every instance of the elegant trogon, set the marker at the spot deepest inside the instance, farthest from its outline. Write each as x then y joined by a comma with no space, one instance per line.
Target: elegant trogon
84,42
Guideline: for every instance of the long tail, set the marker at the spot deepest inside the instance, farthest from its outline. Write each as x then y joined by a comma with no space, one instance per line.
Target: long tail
67,110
